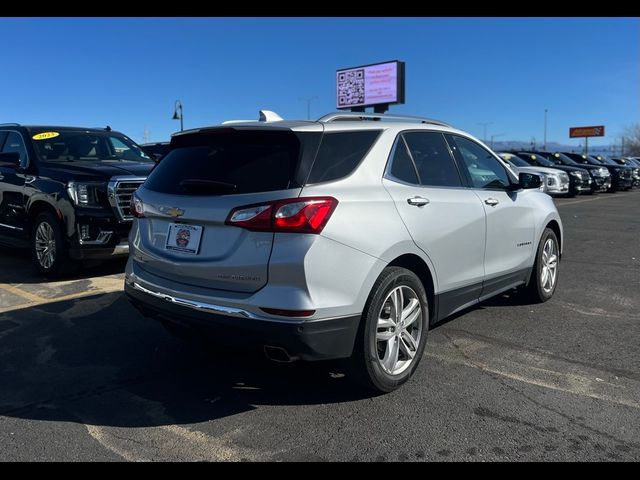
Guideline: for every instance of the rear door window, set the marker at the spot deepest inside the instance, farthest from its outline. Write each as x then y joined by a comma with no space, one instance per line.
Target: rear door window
340,153
402,167
433,160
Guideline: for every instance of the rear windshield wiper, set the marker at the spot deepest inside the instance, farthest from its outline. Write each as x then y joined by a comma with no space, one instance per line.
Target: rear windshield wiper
198,184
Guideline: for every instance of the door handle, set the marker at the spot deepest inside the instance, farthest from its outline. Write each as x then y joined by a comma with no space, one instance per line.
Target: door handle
418,201
492,201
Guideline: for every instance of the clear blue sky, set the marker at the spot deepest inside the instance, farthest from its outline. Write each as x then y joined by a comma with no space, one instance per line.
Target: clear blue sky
127,73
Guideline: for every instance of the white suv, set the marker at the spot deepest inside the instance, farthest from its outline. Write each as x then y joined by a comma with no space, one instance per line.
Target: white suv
346,237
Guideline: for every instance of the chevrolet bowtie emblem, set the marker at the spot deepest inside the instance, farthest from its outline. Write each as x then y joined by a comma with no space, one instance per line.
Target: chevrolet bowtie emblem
174,212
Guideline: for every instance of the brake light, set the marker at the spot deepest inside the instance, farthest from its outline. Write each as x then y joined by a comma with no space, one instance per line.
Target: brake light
297,215
136,207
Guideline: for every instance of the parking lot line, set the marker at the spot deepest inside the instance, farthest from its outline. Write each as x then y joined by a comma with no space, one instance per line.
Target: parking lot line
32,297
107,285
594,199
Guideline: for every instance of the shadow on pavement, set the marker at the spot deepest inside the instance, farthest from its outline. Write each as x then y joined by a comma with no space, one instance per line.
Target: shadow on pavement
95,360
17,267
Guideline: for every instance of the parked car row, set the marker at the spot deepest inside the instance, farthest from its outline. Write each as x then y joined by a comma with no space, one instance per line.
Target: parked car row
583,174
344,238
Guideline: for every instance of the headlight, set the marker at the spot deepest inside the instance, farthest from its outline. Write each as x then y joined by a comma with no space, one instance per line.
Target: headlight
85,194
575,174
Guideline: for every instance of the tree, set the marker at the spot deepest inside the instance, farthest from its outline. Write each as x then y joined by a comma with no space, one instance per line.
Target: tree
632,140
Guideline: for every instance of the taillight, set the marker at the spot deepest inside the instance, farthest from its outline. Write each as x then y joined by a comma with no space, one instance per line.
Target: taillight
136,207
299,215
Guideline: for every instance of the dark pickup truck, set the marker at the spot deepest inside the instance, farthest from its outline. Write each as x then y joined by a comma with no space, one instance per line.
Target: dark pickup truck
65,192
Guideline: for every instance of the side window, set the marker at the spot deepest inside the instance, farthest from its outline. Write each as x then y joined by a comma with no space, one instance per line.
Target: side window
402,166
433,160
121,150
14,143
340,153
484,169
3,135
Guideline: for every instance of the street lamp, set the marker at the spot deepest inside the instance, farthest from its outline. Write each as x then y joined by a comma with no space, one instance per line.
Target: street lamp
308,100
176,116
544,147
484,135
494,136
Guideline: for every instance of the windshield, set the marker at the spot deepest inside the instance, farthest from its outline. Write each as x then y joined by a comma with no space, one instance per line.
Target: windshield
606,160
514,160
562,159
83,145
538,159
593,161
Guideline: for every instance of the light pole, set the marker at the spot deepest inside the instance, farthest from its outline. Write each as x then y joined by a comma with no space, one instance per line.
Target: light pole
493,136
544,147
308,100
484,135
176,116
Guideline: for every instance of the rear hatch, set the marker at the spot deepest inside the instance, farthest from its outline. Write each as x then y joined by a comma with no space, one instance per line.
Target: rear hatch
191,192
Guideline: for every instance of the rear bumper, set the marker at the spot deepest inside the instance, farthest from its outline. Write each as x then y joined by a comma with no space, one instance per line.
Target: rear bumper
320,339
121,250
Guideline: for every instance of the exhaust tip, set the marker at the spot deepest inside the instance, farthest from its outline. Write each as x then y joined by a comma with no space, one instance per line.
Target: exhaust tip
278,354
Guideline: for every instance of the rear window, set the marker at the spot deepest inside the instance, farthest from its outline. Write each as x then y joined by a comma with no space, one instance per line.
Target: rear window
229,161
340,153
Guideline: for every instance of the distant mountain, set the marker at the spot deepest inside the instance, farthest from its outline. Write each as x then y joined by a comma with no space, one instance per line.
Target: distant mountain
554,147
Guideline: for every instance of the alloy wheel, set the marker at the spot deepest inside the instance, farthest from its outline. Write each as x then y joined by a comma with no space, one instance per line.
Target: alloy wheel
399,329
45,244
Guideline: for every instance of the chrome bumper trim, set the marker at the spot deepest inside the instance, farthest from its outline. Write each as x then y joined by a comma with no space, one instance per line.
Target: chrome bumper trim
200,306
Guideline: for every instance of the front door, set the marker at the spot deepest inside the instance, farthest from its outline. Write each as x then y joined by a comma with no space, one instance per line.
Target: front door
510,217
12,202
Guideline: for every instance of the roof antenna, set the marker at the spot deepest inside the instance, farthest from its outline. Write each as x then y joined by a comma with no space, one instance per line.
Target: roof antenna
108,129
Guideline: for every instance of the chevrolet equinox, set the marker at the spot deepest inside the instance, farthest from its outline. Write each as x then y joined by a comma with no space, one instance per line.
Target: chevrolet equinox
346,237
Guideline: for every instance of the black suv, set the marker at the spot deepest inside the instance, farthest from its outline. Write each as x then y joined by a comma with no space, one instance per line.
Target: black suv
600,176
620,176
65,192
579,179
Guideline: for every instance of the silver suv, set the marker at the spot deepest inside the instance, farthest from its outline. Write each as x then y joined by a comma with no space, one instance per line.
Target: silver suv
347,237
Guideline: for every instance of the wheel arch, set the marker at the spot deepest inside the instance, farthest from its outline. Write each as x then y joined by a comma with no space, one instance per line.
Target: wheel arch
555,226
39,206
417,265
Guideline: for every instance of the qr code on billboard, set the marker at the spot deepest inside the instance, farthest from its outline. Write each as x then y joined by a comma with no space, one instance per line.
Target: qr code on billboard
351,88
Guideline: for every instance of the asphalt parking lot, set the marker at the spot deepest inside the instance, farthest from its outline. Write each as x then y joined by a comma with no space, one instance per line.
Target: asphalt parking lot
84,377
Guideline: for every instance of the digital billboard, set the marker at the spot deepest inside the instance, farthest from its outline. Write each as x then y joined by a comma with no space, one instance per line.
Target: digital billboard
370,85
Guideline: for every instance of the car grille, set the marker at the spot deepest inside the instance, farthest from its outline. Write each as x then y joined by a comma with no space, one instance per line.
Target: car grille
120,191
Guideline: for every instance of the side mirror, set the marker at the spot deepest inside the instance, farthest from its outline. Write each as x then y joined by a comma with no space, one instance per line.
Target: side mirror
529,180
10,160
156,157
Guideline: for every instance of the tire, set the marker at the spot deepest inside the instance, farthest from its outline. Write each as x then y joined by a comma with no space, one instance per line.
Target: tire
51,260
369,354
541,289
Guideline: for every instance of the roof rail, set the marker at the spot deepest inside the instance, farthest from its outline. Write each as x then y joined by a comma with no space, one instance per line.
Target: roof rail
9,124
343,116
